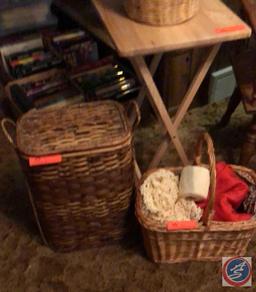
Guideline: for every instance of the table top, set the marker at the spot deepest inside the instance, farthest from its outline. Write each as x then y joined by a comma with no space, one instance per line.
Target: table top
250,8
215,23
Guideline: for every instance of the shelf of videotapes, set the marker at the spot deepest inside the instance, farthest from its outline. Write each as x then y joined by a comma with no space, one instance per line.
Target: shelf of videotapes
57,68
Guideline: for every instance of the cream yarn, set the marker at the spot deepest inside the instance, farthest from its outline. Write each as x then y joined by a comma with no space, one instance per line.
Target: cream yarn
160,193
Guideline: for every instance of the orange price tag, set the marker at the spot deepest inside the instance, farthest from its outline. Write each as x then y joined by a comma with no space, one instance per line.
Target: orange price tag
181,225
230,28
44,160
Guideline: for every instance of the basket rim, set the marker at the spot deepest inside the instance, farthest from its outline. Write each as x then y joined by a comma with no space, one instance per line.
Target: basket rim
213,226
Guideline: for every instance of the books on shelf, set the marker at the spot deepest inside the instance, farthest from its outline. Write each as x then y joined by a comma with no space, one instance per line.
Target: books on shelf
64,97
75,47
38,76
51,89
105,79
33,61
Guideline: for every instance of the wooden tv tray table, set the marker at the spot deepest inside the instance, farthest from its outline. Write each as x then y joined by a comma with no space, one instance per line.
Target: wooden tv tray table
213,25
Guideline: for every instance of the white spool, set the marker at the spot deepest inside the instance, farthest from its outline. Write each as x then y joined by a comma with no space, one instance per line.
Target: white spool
194,183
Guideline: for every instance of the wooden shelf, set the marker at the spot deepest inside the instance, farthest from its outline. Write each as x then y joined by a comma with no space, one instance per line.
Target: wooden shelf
85,14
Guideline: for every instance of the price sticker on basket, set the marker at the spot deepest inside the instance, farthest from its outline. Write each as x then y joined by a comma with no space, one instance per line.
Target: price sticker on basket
44,160
181,225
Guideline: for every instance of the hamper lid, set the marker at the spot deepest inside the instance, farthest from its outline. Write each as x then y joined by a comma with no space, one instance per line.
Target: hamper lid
81,127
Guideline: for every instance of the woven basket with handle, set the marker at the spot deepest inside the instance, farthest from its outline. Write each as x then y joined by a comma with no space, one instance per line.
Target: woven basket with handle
161,12
84,199
212,240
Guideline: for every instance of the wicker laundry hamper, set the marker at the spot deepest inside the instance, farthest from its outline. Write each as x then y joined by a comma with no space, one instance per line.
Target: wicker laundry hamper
212,240
161,12
79,164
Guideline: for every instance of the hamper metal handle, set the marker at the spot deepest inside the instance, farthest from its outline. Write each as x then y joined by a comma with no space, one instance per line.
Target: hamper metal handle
8,136
206,138
135,105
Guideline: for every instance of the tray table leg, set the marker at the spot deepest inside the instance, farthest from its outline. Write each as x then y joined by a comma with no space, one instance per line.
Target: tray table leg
183,108
142,94
156,101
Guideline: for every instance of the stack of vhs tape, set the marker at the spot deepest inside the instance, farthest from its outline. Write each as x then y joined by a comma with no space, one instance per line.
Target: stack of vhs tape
30,62
49,89
105,79
75,47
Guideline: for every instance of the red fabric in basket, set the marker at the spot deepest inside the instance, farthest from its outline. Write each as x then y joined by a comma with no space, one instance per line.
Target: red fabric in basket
231,191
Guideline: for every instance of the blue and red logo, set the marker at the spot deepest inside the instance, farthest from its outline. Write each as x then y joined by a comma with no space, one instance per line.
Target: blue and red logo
237,272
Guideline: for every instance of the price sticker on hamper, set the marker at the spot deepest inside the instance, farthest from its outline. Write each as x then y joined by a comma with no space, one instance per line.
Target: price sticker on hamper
237,272
44,160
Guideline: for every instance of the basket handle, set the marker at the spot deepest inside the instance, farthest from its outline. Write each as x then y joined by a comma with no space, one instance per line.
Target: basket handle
206,138
8,136
134,104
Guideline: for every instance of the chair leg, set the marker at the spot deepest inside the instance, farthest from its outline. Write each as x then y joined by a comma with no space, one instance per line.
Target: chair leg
249,146
234,101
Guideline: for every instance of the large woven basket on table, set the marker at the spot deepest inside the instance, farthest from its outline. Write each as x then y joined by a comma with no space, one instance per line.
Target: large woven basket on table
211,240
161,12
84,200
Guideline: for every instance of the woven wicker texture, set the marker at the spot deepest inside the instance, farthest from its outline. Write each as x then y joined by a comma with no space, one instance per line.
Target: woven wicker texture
81,127
85,200
211,240
161,12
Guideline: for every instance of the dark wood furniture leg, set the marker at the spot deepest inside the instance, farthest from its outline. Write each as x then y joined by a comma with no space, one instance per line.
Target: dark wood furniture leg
234,101
249,146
